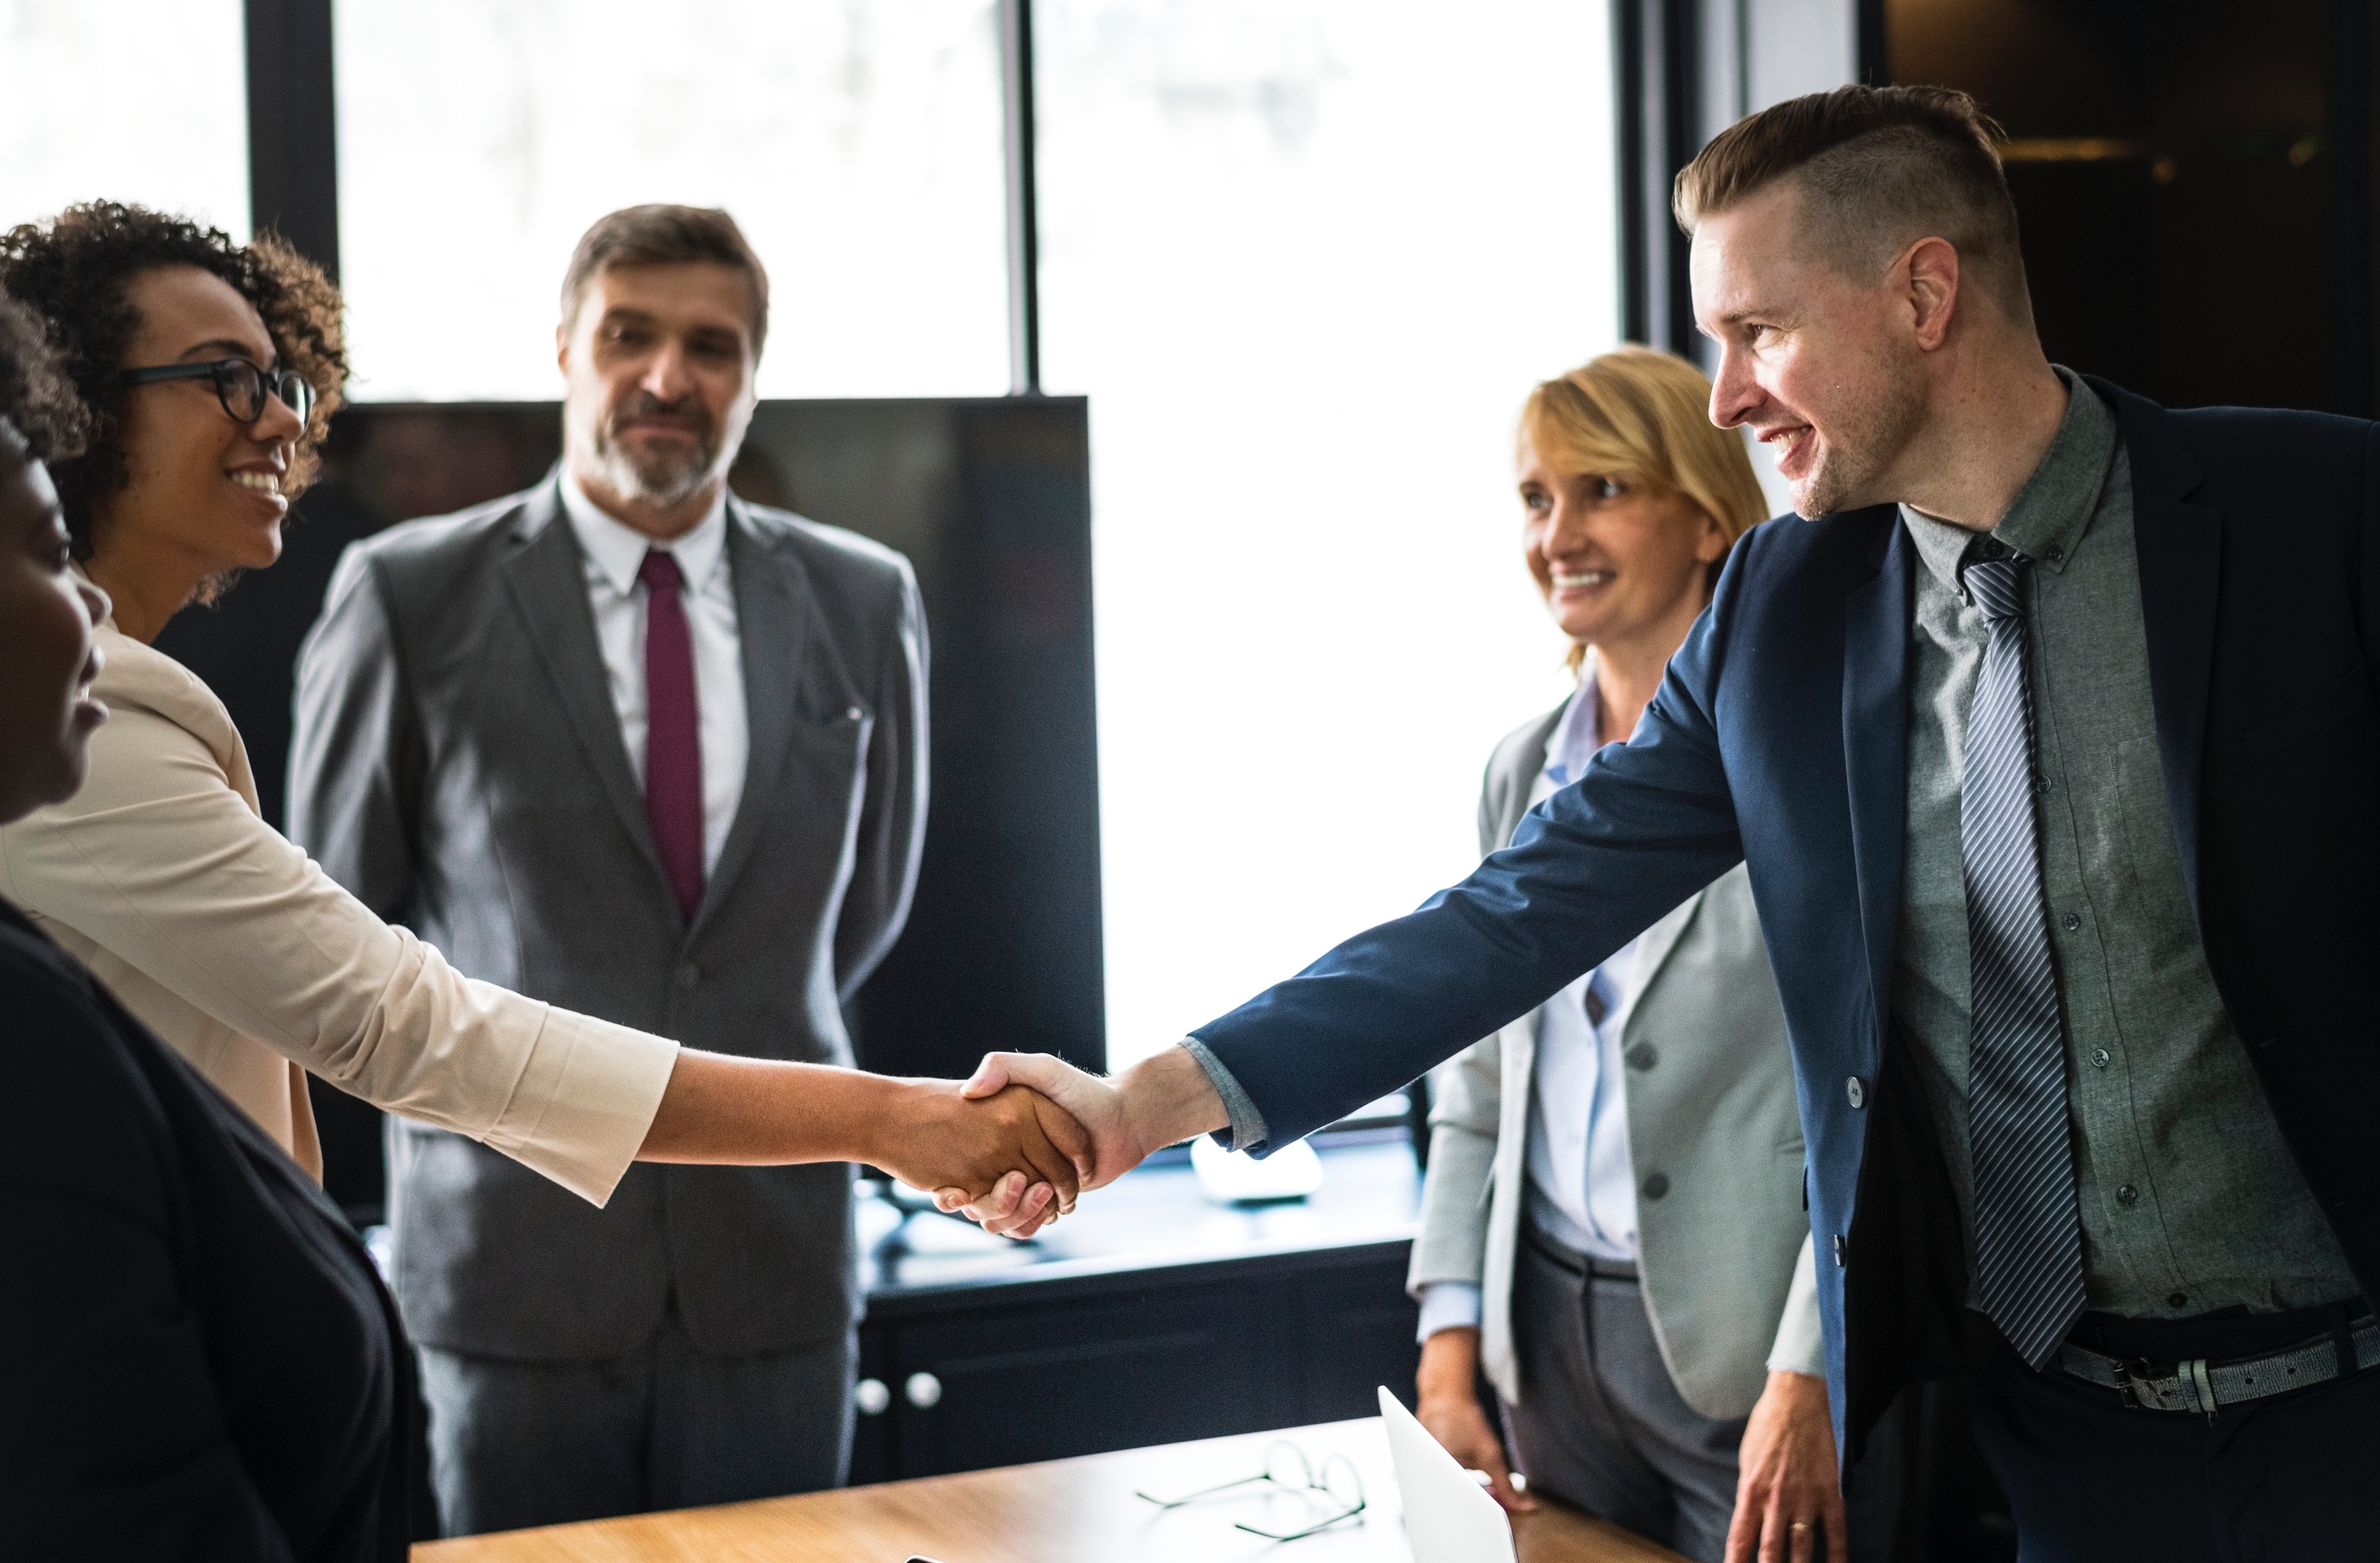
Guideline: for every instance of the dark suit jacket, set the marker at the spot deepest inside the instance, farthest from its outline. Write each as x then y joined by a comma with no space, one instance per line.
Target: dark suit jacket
200,1360
458,764
1778,738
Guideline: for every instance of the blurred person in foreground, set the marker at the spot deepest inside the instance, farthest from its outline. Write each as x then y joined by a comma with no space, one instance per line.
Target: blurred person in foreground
204,371
1612,1218
628,689
204,1363
2051,740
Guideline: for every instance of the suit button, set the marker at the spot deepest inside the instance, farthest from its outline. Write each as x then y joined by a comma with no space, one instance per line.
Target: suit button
1857,1090
1656,1186
2098,1058
2128,1195
2070,922
2179,1299
689,974
1643,1056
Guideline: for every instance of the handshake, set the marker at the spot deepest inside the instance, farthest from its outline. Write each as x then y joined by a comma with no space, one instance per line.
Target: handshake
1013,1147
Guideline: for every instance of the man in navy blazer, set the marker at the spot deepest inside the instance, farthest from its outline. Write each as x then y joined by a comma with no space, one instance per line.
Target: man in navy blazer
2175,1361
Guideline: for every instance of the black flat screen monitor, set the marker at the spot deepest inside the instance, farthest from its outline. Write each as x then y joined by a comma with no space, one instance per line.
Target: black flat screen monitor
990,500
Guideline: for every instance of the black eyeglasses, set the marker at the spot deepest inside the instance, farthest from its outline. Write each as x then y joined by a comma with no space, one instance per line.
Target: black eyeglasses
240,386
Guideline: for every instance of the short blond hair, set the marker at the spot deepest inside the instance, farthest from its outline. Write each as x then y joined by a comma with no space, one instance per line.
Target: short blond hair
1643,416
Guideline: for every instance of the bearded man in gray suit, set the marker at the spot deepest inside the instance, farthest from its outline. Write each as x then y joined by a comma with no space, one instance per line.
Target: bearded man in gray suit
627,744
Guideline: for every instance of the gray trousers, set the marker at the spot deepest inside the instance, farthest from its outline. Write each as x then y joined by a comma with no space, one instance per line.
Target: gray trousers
514,1444
1600,1425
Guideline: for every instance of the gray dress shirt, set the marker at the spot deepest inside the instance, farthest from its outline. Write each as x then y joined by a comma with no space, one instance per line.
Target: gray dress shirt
2189,1200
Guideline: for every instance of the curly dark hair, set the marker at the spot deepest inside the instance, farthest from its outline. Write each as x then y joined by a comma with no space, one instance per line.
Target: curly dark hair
73,271
34,398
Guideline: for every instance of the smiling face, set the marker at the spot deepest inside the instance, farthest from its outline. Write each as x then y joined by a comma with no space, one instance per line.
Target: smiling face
1821,366
1616,564
205,490
46,711
658,367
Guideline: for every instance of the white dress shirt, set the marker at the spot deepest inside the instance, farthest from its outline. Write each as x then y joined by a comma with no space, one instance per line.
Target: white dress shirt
614,553
1581,1185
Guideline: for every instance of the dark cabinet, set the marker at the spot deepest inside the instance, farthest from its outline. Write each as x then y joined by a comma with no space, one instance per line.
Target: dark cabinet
1157,1318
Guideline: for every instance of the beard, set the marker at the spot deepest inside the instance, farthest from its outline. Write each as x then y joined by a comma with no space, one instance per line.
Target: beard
1862,441
663,476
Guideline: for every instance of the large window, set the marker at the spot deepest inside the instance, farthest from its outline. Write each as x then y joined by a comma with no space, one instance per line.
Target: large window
858,145
1306,257
141,100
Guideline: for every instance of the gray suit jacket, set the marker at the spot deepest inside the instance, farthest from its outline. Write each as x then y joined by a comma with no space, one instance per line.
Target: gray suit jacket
458,764
1723,1244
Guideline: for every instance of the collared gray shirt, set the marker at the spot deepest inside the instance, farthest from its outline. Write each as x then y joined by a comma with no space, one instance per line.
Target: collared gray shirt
2189,1200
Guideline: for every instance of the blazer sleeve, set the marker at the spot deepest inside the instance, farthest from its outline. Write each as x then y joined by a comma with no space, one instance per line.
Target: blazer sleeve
893,817
355,755
113,1444
1649,823
160,864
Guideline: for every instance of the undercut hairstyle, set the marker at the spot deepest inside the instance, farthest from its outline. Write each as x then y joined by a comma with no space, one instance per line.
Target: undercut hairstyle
667,235
1881,167
1643,416
74,272
40,418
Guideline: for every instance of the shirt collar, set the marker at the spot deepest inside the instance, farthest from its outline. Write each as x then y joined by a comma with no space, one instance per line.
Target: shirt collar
618,550
2052,510
1576,736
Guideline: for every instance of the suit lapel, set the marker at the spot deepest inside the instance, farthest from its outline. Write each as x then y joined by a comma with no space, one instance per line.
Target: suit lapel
2180,547
772,609
1654,946
1876,744
547,577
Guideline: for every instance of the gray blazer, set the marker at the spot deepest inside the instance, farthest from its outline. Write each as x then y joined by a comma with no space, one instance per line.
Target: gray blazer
1723,1243
457,763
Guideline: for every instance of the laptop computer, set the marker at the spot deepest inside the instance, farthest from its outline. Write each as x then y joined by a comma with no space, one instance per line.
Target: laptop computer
1449,1516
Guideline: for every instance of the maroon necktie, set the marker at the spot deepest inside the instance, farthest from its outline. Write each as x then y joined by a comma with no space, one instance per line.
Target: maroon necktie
672,731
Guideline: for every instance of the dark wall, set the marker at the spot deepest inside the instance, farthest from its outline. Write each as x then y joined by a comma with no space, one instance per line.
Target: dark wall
2193,178
990,500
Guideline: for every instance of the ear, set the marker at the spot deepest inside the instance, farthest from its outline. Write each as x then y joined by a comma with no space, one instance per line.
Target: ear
1711,546
562,348
1929,271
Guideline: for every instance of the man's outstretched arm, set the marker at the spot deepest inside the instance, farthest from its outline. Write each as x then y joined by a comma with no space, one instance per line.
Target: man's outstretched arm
1651,822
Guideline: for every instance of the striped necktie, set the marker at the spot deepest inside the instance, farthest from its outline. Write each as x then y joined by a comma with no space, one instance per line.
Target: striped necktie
2028,1233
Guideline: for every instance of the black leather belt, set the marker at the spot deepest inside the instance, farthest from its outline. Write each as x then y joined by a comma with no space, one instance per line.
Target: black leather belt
1565,1257
2201,1386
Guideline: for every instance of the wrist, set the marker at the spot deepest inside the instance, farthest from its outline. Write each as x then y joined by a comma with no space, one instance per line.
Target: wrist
1450,1365
1167,1098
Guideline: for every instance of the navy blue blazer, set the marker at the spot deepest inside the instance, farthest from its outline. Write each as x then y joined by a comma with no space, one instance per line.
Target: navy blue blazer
1778,738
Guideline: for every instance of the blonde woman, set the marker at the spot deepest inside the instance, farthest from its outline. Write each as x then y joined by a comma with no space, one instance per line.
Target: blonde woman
1612,1223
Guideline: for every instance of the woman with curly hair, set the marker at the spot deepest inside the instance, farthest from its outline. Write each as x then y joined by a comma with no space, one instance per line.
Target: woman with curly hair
207,371
245,1404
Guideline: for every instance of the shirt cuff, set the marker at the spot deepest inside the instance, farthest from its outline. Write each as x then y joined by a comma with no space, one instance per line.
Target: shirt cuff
1448,1305
1247,1131
583,1107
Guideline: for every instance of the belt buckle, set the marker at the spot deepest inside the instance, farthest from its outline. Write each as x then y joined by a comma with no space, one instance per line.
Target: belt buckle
2136,1382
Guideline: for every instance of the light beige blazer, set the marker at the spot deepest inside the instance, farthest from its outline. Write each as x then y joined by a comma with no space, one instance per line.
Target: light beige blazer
233,946
1714,1131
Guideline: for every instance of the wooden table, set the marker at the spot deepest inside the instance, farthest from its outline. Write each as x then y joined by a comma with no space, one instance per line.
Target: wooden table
1064,1511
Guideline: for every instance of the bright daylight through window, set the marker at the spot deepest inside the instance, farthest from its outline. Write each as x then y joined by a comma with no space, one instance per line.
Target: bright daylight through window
858,145
168,129
1306,257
